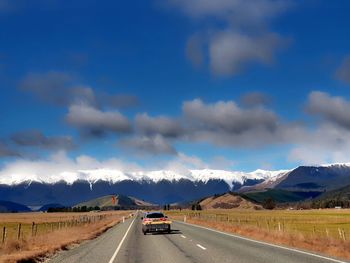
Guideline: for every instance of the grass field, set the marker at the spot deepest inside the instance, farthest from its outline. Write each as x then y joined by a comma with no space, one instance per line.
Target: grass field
320,223
326,231
28,235
24,225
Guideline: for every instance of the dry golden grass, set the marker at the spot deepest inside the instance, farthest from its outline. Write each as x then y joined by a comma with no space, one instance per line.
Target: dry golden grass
39,217
29,247
314,230
228,201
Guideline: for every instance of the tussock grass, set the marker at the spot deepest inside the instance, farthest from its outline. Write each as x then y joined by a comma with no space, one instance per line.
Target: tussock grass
323,231
47,242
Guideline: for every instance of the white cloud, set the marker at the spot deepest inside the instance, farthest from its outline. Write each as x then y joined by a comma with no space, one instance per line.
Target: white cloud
327,143
231,52
160,125
96,122
332,109
243,38
227,118
59,167
148,145
61,88
184,163
246,11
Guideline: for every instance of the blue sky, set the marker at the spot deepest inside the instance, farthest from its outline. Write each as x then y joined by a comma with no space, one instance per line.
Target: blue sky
229,84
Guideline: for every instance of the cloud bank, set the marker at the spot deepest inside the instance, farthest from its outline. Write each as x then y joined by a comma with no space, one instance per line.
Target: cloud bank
244,37
91,121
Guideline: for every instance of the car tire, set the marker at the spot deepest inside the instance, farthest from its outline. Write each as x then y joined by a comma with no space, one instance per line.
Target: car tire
169,230
144,232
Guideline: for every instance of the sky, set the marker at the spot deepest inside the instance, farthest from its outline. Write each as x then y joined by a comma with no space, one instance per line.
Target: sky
174,84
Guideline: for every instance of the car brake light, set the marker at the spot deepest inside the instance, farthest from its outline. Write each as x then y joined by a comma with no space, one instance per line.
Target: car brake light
163,219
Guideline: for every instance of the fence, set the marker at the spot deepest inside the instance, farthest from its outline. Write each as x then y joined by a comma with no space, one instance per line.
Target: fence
313,227
21,231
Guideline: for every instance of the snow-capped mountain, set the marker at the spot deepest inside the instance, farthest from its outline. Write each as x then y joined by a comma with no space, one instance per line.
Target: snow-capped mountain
307,178
164,186
36,187
114,176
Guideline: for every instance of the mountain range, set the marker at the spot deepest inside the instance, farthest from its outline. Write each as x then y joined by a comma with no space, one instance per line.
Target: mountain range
163,187
8,207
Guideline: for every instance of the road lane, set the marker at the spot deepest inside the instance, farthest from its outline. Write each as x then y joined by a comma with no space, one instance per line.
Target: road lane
126,243
156,248
97,250
228,248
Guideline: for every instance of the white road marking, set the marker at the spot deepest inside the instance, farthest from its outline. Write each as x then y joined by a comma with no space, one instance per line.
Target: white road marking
121,242
183,236
266,244
198,245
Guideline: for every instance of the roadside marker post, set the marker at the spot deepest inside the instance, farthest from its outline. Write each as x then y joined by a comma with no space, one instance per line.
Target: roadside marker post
19,231
3,235
123,219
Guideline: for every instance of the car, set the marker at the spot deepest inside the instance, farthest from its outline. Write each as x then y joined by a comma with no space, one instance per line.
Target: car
155,222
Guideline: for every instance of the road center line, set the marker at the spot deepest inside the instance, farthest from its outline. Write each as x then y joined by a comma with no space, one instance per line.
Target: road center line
198,245
265,243
121,242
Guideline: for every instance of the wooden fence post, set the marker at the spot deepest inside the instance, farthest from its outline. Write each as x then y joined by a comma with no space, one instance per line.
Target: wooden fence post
340,233
3,234
19,231
33,226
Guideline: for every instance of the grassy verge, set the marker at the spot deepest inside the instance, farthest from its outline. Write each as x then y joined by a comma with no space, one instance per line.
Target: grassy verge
323,231
51,232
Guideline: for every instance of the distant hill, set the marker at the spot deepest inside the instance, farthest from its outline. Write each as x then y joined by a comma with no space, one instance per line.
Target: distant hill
281,196
339,197
46,207
309,178
228,201
115,201
341,194
9,207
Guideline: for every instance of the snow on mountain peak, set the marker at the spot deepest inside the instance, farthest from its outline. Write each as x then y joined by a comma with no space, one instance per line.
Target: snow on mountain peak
114,175
336,164
268,174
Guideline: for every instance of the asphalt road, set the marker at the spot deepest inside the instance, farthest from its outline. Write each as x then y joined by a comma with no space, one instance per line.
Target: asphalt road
186,243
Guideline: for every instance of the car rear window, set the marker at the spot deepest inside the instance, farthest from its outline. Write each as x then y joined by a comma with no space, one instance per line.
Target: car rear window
155,215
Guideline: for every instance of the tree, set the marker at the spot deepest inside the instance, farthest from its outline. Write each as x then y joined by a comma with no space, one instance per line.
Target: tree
269,203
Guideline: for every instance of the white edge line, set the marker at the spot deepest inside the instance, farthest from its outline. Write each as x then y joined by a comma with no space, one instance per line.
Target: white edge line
121,242
265,243
183,236
198,245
